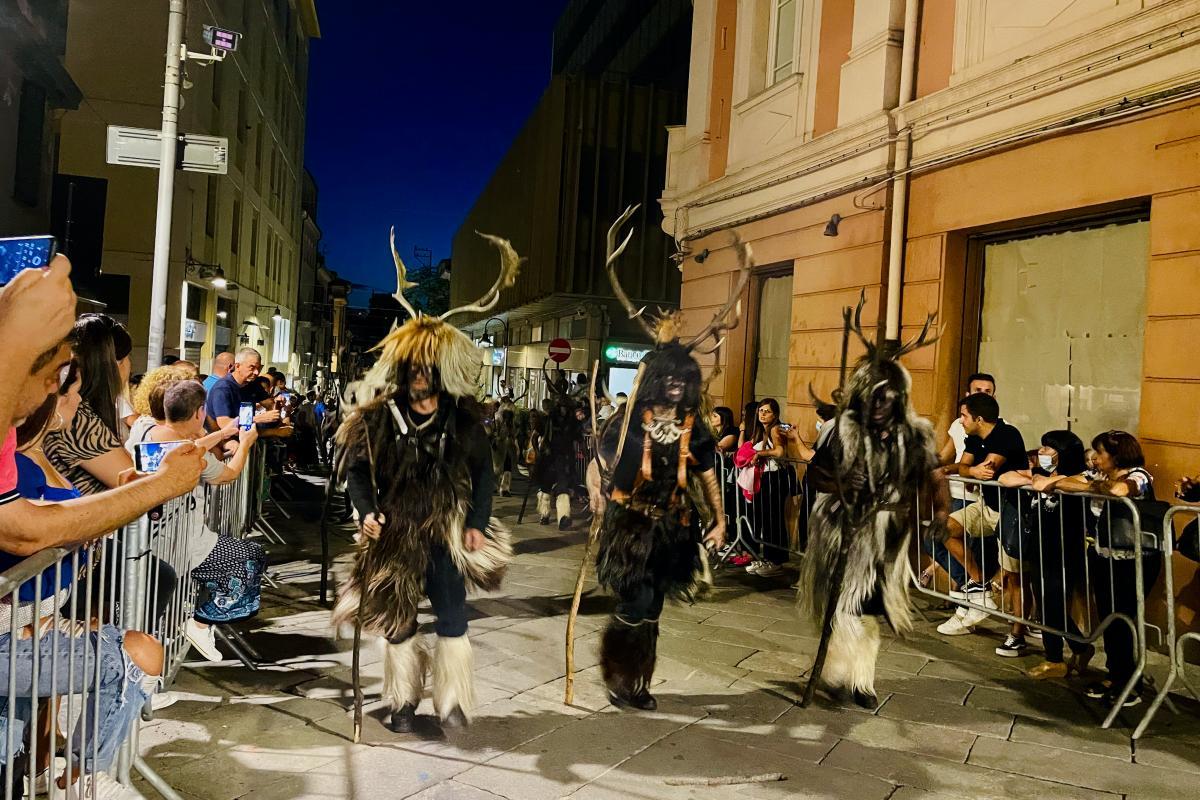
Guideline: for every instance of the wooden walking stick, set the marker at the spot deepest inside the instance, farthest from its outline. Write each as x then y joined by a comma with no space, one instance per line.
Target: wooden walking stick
593,533
355,663
839,570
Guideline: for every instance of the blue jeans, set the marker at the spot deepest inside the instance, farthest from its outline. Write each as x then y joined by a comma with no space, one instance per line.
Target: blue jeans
120,692
982,547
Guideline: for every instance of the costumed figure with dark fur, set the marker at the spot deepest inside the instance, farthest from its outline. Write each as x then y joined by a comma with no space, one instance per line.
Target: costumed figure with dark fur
556,474
418,468
657,483
873,462
504,445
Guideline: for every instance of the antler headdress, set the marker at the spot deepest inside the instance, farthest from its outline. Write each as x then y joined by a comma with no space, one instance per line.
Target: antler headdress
665,328
431,341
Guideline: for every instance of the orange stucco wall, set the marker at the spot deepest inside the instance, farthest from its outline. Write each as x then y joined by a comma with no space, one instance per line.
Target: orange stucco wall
837,28
935,51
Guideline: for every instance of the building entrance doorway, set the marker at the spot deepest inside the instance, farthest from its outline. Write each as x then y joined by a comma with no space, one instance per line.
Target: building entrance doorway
1062,324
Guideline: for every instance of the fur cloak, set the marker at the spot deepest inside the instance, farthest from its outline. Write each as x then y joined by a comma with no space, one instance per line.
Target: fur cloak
424,491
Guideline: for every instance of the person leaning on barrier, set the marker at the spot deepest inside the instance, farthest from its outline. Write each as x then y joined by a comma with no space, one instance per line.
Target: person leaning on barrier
123,688
1049,527
238,386
1111,563
993,447
768,517
228,570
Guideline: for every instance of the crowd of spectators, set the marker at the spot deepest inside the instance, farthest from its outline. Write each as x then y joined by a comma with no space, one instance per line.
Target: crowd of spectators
72,419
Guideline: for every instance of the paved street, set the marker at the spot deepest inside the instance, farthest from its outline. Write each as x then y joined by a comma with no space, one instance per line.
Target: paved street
955,720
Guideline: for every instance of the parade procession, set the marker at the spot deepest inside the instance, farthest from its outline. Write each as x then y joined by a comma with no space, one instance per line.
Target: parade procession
634,399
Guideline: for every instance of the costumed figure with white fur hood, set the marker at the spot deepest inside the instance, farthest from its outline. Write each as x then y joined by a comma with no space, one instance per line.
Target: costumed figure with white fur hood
418,467
874,462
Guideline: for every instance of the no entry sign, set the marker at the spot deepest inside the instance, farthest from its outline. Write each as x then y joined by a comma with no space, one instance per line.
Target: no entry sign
560,350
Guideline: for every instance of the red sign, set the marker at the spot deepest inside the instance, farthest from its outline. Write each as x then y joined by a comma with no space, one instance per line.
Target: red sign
560,350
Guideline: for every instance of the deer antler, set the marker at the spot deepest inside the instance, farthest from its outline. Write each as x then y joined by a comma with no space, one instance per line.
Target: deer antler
402,281
921,340
856,324
719,323
613,252
510,264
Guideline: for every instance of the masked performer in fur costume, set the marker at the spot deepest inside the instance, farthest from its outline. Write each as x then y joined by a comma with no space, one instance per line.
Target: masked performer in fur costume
872,463
504,445
556,471
419,473
656,463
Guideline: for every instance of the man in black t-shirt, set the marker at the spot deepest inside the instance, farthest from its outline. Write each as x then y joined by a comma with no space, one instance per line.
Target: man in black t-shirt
993,447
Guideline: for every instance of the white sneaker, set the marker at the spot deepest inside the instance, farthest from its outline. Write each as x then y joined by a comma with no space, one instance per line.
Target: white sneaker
100,786
768,569
955,626
161,700
754,566
204,639
1033,633
974,616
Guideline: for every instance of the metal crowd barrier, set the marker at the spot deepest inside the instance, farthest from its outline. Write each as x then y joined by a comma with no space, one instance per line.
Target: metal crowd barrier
62,615
770,523
1057,569
1176,644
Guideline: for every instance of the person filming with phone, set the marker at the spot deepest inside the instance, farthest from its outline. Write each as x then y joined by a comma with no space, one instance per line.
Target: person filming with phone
229,570
237,387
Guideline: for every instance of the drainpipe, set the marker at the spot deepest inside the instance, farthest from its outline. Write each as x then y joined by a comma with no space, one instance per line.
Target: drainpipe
908,61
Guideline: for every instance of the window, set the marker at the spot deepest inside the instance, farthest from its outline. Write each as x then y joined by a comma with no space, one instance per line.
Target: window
31,121
783,39
197,300
216,86
254,238
281,344
771,358
258,147
243,119
210,209
235,230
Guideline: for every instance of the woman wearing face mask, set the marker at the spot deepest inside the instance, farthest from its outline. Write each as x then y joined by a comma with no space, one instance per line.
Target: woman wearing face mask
1053,532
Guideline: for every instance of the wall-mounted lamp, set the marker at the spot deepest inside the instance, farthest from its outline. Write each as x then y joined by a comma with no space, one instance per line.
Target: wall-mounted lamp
702,256
831,229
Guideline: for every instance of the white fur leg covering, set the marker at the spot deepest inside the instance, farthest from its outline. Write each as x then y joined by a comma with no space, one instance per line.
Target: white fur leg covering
404,668
853,649
543,505
506,481
562,504
453,675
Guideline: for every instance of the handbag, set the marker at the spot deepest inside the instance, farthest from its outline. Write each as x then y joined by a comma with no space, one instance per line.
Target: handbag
1188,543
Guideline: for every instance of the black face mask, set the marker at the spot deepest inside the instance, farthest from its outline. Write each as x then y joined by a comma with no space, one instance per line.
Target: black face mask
431,387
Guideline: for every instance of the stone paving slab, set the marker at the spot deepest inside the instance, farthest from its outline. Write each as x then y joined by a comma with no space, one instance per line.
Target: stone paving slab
955,721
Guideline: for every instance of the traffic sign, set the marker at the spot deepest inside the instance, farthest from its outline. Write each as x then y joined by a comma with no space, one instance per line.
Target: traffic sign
140,147
560,350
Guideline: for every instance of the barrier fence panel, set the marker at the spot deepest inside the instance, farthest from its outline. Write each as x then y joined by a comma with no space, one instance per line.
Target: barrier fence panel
1182,521
766,509
1075,566
72,625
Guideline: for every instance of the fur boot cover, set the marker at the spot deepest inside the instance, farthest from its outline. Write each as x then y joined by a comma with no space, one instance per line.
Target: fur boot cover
404,667
627,656
453,676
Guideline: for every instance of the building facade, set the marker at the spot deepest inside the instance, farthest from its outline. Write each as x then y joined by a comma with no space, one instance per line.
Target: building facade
34,86
595,144
246,227
1026,171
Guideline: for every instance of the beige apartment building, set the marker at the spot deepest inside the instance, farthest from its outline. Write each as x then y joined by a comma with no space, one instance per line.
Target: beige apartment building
1028,171
245,226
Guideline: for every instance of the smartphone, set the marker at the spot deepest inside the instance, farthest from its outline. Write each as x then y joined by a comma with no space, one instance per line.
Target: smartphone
246,416
783,426
148,456
24,252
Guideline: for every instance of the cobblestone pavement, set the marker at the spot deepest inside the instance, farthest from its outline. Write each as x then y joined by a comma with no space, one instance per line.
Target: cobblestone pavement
955,720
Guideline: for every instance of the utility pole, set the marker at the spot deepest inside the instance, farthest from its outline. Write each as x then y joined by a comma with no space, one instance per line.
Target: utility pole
166,184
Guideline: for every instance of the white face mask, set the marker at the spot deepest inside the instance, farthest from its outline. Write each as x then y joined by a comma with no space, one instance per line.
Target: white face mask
1046,462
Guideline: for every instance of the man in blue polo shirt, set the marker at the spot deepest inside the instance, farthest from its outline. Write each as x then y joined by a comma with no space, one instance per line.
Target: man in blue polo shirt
236,388
220,368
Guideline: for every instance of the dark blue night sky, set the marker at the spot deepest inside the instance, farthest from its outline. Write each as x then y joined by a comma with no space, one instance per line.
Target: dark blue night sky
411,106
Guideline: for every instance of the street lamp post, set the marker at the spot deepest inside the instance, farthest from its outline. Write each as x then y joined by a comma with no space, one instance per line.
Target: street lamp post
486,340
